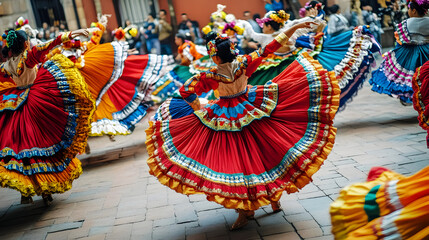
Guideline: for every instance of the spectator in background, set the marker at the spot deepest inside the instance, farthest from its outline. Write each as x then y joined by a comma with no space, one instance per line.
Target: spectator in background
192,28
47,35
152,41
164,31
187,51
132,36
371,19
273,5
247,16
337,22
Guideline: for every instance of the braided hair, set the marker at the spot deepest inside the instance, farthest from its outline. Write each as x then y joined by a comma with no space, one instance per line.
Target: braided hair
223,47
14,43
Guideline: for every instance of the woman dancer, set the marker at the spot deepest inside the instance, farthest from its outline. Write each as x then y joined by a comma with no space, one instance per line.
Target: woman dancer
44,116
395,73
348,54
252,144
421,96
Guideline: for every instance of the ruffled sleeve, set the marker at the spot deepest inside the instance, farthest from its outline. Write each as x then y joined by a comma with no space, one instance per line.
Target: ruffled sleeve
402,34
38,53
196,85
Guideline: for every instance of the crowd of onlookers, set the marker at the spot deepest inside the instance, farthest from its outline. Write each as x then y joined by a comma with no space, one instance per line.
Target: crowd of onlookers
47,32
156,34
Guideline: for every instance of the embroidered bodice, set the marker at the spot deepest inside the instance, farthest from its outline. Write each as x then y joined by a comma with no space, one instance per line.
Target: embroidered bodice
23,68
229,79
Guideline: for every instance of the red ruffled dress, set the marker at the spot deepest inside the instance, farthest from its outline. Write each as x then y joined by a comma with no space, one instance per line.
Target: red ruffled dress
44,121
252,144
421,96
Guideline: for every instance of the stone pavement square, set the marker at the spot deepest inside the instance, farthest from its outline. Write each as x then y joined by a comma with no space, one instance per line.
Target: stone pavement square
119,199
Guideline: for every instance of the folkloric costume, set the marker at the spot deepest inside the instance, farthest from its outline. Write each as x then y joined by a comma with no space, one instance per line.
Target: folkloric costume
252,144
421,96
395,73
121,84
45,120
387,206
169,83
348,54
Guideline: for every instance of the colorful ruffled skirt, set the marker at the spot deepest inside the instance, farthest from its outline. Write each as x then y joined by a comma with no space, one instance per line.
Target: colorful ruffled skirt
201,65
101,66
126,100
166,86
351,56
394,76
391,206
245,150
421,96
44,126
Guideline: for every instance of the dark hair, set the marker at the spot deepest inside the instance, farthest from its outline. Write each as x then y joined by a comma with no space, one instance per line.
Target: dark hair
184,14
256,15
18,45
421,9
334,9
163,10
152,15
313,3
223,47
246,12
275,25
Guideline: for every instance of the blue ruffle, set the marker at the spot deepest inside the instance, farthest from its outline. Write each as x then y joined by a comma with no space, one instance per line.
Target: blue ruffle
70,129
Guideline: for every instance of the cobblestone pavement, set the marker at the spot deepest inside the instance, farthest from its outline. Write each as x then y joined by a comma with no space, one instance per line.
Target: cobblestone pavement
120,200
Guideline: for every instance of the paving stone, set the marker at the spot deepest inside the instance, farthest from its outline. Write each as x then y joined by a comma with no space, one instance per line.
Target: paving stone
120,232
299,217
164,222
160,213
185,213
95,237
100,230
57,236
64,226
321,238
276,228
310,233
282,236
303,225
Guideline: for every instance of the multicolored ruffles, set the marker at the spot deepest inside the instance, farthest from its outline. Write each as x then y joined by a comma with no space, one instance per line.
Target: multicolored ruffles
395,74
390,206
421,96
350,56
126,101
44,126
281,135
170,82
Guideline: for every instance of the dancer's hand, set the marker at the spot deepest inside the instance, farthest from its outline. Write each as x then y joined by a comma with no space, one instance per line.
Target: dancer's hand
80,32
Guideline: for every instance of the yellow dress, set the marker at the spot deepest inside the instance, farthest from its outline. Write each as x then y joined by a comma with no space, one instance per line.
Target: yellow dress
392,206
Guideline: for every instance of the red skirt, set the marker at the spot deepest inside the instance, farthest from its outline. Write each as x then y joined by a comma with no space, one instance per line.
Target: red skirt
421,96
44,126
244,151
125,102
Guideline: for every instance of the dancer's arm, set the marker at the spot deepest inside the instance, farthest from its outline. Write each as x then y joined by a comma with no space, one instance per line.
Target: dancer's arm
38,53
254,59
196,85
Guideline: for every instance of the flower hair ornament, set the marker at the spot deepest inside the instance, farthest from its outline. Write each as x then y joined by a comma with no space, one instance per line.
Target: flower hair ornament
8,38
20,22
239,30
279,17
212,49
424,4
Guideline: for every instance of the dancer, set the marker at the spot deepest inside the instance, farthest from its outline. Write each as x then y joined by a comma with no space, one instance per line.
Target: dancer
349,54
255,142
387,206
421,96
169,83
126,100
395,73
44,117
